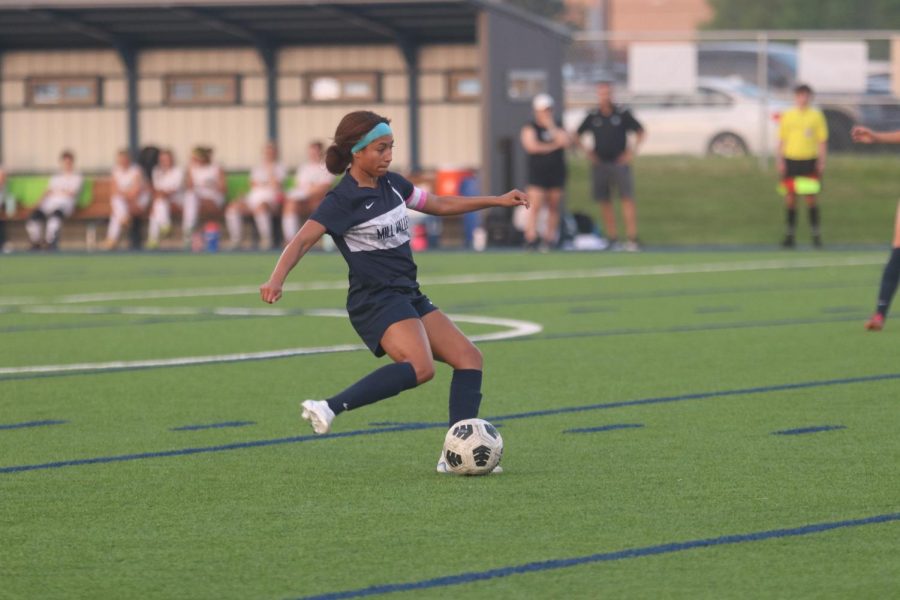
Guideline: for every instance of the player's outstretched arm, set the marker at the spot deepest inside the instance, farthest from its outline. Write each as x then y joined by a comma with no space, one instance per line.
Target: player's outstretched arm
444,206
305,239
864,135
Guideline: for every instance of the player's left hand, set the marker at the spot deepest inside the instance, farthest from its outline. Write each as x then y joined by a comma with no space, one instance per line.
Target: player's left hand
270,292
514,198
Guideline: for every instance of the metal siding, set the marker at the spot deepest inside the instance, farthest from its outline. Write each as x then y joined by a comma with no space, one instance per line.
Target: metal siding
13,93
150,91
431,87
302,125
348,58
394,88
33,139
115,91
451,136
449,56
289,89
236,134
253,90
75,62
221,60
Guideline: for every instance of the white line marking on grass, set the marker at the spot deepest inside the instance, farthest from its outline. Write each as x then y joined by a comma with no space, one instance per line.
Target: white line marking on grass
480,278
516,328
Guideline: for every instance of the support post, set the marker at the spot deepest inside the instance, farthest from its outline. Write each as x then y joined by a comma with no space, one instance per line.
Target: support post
269,56
128,56
411,56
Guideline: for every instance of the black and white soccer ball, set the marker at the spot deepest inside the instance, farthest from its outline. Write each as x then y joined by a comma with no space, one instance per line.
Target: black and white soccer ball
472,447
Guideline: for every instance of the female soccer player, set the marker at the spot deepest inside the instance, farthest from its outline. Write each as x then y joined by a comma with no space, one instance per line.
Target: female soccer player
891,275
545,141
366,216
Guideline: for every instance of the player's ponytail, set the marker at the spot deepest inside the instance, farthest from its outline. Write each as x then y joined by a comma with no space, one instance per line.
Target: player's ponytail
352,128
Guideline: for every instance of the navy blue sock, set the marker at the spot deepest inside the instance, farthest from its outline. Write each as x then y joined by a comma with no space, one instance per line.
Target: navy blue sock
382,383
465,394
889,280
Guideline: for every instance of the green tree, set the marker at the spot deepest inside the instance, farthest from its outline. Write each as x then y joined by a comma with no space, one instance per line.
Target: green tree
805,14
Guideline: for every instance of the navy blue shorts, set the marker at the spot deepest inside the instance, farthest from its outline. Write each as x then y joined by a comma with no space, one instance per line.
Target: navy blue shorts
372,313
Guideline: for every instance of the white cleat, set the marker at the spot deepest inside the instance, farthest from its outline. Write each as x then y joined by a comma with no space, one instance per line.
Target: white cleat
444,469
319,415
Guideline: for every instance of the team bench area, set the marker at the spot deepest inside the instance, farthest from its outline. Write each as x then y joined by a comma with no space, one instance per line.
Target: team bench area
85,229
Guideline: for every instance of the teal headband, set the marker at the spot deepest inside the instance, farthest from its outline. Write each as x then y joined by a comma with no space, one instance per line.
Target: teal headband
380,130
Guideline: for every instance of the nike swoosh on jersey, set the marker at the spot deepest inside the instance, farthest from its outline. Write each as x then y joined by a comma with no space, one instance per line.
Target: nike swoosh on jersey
370,205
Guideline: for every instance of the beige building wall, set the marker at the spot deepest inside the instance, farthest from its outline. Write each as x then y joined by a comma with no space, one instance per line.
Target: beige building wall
33,137
236,133
450,132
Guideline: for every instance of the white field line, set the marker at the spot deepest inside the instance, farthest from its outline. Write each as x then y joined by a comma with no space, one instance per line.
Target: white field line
516,328
480,278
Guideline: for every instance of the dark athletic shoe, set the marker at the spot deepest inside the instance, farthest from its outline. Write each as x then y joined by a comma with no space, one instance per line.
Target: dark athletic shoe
788,241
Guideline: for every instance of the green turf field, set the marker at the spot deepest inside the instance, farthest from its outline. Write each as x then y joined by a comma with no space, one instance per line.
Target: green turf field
701,200
699,357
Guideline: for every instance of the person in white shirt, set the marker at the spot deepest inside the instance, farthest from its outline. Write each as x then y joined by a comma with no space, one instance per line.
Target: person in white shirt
57,203
130,197
168,187
265,193
311,184
205,189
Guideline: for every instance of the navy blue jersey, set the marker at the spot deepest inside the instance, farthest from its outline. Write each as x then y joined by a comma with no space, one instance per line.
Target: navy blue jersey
371,228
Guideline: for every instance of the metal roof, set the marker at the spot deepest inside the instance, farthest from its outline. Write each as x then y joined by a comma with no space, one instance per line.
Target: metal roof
37,24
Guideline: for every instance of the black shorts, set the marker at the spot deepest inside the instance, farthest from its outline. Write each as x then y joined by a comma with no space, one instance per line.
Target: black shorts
372,312
547,177
801,168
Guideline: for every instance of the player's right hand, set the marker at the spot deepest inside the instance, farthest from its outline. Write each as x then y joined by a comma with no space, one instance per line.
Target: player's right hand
862,135
270,292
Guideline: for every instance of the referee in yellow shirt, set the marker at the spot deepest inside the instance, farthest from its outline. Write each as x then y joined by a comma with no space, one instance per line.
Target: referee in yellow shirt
802,148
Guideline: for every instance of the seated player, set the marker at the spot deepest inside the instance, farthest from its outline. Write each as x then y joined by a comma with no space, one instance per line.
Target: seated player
265,193
205,189
57,203
311,184
891,275
130,197
168,187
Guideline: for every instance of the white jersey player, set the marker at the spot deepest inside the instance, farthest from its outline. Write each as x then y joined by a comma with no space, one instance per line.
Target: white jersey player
266,180
57,203
205,188
130,197
168,190
311,184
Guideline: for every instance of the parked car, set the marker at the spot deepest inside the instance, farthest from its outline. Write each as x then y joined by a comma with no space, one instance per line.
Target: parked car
876,107
724,117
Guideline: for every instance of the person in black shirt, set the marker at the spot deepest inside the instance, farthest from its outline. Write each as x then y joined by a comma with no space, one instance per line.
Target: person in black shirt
545,140
611,157
366,216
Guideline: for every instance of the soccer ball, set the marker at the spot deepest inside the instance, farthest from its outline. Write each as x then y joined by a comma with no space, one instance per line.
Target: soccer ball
472,447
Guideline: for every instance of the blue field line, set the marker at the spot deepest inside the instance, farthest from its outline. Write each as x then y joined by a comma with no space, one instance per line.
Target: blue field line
213,425
443,424
629,553
816,429
208,449
27,424
612,427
